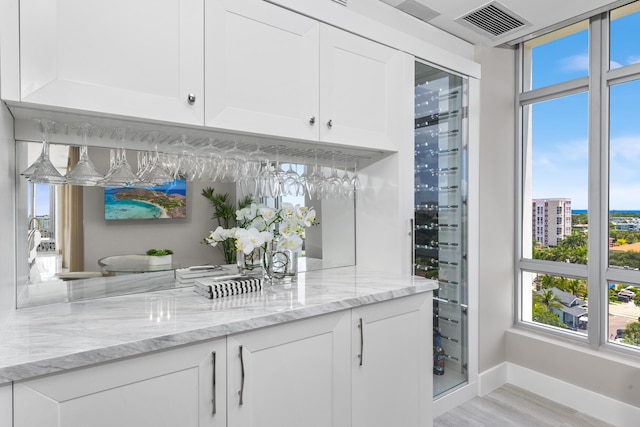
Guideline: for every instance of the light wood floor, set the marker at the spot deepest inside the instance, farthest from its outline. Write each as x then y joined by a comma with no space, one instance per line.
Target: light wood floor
513,407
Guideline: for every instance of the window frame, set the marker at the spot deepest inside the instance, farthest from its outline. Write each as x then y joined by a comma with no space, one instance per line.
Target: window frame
596,272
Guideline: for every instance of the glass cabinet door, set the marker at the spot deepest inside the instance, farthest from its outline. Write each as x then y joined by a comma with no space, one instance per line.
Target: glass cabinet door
440,215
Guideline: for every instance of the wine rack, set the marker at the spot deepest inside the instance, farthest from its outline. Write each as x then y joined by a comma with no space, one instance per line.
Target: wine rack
440,177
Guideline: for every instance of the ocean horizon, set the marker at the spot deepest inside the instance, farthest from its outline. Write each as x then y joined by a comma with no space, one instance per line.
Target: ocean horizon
613,211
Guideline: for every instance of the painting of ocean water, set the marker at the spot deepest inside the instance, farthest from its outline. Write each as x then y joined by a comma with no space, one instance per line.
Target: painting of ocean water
164,201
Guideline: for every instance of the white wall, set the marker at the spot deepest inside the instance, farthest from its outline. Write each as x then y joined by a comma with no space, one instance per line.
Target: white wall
7,215
602,373
497,193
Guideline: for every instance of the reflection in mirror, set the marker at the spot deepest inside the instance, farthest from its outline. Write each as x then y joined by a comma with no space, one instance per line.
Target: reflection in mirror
63,232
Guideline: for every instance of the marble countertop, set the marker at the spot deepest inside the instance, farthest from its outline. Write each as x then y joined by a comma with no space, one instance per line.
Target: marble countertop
52,338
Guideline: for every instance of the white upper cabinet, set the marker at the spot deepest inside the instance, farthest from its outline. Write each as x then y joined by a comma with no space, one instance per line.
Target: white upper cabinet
363,88
139,58
261,65
235,65
272,71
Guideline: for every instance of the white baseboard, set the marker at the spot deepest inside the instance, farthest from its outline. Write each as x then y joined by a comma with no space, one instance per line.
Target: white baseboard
492,379
582,400
453,399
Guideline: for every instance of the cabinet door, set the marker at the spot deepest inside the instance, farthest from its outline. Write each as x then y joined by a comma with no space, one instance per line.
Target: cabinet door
137,58
261,66
6,405
171,388
391,345
295,374
364,91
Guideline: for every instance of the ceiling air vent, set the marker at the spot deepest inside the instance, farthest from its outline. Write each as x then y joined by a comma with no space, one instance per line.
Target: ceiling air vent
414,8
493,19
340,2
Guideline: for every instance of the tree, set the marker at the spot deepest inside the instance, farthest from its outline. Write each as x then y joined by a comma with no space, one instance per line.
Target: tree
543,315
636,299
547,299
581,218
576,287
631,334
547,281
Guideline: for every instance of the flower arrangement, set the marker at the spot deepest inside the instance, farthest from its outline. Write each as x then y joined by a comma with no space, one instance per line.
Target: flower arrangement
224,213
258,225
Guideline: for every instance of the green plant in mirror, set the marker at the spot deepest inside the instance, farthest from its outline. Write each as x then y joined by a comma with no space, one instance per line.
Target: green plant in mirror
225,213
159,252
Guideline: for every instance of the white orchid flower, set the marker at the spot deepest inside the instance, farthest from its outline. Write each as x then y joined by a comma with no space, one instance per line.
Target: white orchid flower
292,242
267,213
309,217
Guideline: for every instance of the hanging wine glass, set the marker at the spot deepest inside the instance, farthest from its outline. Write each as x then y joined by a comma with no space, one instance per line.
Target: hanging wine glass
121,175
291,180
154,172
212,157
313,180
233,165
333,184
256,165
84,172
355,181
42,170
186,165
346,187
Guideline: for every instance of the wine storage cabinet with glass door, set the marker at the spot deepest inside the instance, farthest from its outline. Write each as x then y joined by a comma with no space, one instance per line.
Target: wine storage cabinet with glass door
440,237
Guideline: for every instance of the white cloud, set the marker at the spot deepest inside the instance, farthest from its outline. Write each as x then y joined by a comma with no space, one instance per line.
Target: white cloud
575,63
613,65
561,171
633,59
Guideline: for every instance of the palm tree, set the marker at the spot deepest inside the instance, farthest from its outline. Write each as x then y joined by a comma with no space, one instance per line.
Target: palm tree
547,281
547,299
576,287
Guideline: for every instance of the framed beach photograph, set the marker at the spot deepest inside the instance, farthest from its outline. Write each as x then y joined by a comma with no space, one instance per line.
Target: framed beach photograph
155,202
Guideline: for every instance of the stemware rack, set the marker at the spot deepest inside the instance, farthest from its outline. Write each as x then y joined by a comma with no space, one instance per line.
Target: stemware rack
294,151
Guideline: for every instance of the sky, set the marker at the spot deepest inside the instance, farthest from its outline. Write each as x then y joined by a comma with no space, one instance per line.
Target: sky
560,127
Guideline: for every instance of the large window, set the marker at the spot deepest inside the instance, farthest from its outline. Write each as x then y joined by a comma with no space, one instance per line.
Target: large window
579,240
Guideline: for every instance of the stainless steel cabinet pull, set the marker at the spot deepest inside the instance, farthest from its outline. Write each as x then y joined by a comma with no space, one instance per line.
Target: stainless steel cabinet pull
412,253
312,120
213,383
330,124
191,98
361,341
241,392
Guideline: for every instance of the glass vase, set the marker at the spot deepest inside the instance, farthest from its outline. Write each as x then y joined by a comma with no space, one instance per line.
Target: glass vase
281,265
250,264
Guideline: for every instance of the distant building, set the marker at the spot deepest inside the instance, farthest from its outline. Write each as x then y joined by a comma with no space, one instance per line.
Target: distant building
551,220
628,227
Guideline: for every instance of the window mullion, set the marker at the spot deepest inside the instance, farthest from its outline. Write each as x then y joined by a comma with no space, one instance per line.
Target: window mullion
598,204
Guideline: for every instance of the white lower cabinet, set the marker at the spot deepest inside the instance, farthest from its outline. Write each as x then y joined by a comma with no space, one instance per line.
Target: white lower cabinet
169,388
292,375
391,359
6,398
365,367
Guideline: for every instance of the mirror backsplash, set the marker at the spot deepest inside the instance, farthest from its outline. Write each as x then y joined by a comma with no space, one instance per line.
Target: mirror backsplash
78,227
